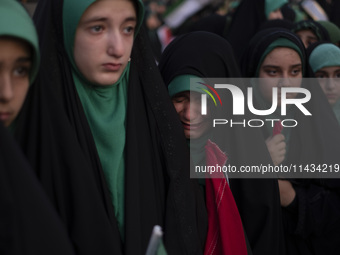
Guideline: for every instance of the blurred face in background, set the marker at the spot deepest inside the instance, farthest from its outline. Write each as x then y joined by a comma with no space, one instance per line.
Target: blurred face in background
307,36
15,66
329,80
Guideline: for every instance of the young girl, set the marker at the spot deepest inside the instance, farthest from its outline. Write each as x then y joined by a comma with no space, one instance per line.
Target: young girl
29,223
310,206
101,132
324,59
204,55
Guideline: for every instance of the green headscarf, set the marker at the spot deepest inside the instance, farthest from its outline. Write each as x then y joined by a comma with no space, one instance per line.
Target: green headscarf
332,29
182,83
324,55
281,42
15,22
105,108
272,5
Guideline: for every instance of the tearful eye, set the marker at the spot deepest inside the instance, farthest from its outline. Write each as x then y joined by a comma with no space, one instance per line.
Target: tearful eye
178,100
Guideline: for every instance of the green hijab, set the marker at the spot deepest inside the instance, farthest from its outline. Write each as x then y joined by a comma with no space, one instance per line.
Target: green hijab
332,29
324,55
105,108
272,5
15,22
281,42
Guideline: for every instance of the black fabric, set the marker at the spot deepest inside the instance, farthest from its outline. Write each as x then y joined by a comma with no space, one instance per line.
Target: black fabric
246,21
279,23
56,138
208,55
332,10
312,222
28,222
288,13
213,23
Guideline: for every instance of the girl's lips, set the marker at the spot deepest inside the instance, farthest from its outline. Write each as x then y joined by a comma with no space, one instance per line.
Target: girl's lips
4,116
112,66
330,96
191,126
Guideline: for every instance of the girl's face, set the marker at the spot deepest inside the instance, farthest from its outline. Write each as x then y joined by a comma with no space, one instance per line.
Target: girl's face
15,65
188,108
277,14
104,40
329,80
285,66
307,36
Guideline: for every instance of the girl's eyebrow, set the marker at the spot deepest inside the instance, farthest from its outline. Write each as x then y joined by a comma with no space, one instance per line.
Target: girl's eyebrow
103,19
270,66
24,59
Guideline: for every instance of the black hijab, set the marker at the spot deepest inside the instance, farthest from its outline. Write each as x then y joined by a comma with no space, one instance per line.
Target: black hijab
56,138
246,21
207,55
312,220
319,30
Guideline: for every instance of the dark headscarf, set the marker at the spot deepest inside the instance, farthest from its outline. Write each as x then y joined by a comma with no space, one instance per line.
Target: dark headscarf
317,29
279,23
312,220
246,21
56,137
207,55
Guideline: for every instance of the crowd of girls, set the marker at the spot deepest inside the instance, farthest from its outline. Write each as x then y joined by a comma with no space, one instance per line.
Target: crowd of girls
98,140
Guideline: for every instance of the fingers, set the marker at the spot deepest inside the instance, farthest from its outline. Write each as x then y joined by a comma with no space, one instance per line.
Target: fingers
277,148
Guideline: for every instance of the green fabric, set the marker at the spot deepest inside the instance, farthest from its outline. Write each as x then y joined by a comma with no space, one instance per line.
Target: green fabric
281,42
161,249
105,109
182,83
336,109
332,29
273,5
299,14
262,104
324,55
15,21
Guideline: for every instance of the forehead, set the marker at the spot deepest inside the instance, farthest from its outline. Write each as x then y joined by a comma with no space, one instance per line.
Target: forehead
13,46
109,9
281,54
329,69
306,32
